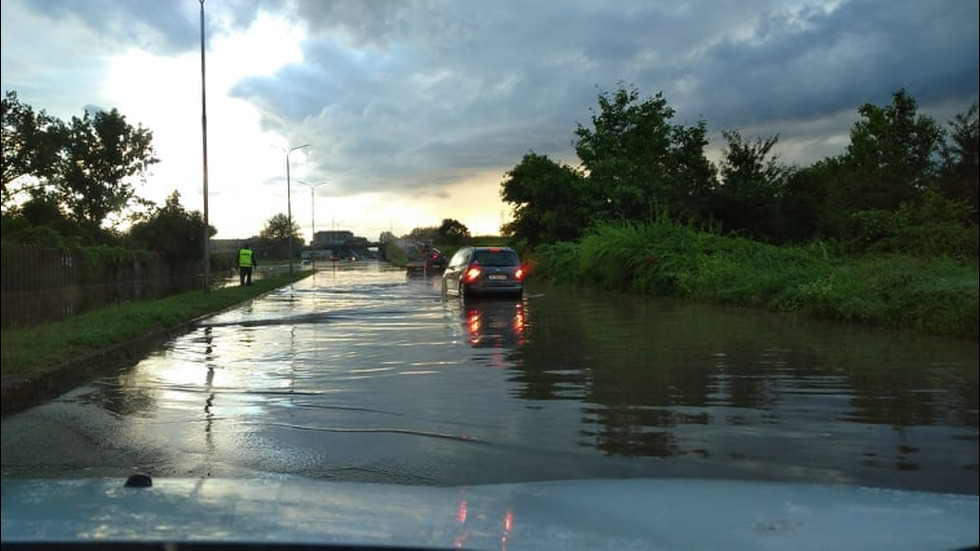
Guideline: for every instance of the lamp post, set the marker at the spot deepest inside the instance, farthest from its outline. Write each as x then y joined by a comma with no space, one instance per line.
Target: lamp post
204,141
312,187
289,202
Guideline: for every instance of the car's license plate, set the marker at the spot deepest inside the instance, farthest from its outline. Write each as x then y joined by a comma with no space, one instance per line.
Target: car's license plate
496,276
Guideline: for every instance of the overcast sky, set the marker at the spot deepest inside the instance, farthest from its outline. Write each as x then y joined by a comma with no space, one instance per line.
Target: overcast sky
415,110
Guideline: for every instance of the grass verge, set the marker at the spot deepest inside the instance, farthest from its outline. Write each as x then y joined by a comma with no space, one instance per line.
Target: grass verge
33,349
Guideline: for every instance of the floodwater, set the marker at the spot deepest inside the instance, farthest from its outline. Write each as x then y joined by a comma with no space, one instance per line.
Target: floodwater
362,374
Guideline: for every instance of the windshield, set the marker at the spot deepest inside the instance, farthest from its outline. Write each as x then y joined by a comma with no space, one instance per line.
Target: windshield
496,258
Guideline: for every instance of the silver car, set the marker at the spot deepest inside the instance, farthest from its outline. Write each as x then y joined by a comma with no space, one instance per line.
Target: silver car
484,271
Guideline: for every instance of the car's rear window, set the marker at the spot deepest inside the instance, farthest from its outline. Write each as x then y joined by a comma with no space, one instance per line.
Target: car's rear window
496,258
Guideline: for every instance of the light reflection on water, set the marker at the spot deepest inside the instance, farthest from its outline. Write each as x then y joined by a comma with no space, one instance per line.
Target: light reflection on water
364,374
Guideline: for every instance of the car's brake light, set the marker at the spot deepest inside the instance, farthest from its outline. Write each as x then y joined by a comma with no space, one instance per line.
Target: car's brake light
519,274
472,274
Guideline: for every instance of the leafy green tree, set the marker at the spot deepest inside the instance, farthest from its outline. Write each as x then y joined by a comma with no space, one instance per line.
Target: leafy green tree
640,163
172,231
31,144
550,201
83,167
961,170
453,232
893,157
800,206
281,228
276,235
102,153
428,234
752,186
694,177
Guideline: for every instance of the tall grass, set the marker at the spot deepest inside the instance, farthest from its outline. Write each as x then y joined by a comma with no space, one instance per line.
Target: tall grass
938,295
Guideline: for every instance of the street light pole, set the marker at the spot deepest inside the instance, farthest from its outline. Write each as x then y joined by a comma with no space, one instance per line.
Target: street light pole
204,141
289,202
312,187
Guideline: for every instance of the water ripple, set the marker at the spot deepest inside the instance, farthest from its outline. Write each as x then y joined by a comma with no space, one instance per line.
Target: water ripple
387,430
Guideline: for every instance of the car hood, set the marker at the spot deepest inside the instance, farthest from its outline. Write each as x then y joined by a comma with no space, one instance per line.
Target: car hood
578,514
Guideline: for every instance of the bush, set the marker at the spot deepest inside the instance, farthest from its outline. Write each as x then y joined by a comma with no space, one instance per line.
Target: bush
936,294
938,226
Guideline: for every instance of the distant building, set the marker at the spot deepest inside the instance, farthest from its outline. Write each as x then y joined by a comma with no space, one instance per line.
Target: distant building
332,239
336,243
325,245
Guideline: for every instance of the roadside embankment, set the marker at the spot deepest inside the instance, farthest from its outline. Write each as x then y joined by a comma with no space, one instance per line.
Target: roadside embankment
40,362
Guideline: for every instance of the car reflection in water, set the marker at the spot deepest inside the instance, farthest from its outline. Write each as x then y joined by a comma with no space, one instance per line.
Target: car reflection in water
495,323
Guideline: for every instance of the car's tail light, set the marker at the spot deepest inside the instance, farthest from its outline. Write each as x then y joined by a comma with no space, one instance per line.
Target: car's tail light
519,273
472,274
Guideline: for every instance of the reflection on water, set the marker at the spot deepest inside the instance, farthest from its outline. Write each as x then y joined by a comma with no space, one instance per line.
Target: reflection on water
493,323
364,374
657,378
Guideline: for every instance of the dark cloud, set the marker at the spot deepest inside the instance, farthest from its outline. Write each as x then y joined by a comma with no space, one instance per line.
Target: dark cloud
429,92
162,26
825,62
429,84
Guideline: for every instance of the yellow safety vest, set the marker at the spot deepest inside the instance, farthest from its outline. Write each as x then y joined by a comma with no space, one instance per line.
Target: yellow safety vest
245,258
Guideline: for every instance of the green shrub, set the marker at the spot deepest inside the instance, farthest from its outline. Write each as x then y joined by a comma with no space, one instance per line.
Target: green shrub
935,294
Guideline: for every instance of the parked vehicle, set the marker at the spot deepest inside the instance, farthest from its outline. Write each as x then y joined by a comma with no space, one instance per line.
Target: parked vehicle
424,258
484,271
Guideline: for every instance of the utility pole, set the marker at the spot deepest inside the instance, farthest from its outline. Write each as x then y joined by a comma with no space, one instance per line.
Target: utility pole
289,201
312,187
204,145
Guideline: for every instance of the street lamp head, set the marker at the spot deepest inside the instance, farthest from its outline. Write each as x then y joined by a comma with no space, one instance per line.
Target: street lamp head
312,185
287,150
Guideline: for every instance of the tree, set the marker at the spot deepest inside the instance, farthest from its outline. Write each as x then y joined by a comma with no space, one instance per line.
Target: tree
427,234
103,152
278,231
453,232
550,201
281,228
693,176
172,231
83,167
31,144
752,185
893,156
639,163
961,170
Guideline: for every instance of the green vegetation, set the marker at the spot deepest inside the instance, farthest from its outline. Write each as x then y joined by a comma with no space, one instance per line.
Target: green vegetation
74,179
36,348
886,233
274,239
935,295
904,184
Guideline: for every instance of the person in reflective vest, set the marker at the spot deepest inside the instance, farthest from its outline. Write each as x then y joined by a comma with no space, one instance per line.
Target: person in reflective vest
246,261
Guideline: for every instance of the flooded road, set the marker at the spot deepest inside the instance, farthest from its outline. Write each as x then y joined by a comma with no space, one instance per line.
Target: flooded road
362,374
